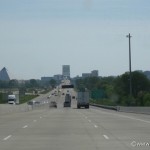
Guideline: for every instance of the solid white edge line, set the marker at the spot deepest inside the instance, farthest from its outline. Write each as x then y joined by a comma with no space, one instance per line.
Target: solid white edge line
106,137
123,116
6,138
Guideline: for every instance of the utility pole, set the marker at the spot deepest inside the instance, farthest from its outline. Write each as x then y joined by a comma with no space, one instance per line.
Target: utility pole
129,36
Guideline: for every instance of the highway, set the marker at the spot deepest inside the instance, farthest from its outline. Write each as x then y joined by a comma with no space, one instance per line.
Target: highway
74,129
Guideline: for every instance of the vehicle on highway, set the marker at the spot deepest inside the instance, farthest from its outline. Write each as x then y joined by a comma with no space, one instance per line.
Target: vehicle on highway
53,104
49,96
67,102
32,102
37,103
11,99
83,99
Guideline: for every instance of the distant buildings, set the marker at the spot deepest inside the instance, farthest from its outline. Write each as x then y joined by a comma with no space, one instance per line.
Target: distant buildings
66,71
58,77
93,73
4,75
46,79
66,74
85,75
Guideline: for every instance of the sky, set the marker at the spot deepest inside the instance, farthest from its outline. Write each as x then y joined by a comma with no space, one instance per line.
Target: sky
37,37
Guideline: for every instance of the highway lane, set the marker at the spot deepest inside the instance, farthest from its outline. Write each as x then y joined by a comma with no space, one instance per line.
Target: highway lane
130,130
72,129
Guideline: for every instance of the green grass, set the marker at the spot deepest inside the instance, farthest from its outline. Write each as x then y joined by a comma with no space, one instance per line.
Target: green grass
26,98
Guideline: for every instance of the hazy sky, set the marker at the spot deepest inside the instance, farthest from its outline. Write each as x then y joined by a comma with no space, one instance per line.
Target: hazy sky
37,37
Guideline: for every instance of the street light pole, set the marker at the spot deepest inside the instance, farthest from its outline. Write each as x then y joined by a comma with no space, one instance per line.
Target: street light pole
129,36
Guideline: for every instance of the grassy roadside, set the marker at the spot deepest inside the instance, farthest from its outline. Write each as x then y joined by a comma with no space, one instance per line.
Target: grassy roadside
26,98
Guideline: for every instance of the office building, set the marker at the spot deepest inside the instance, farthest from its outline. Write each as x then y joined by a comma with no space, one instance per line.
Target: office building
66,71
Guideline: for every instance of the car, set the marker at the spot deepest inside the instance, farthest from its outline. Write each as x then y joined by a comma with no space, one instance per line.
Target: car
73,97
53,104
49,96
32,102
67,104
37,103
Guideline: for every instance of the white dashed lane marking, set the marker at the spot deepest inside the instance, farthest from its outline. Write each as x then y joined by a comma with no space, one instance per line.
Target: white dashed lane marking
95,126
106,137
6,138
24,126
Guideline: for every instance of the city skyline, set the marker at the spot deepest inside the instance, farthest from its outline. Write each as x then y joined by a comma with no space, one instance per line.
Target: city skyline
37,37
5,76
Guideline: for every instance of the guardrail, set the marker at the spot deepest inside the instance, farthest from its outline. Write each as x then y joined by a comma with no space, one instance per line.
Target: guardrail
141,110
104,106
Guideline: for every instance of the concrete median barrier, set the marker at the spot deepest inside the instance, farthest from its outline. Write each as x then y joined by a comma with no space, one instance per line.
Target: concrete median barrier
7,108
142,110
104,106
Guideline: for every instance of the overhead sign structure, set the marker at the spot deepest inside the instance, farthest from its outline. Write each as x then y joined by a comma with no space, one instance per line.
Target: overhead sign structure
67,86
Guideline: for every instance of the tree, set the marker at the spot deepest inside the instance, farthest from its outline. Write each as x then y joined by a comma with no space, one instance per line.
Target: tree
140,84
52,83
33,83
13,83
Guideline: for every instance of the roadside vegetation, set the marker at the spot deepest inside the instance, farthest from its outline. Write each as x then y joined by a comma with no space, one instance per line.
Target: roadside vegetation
27,89
26,98
115,90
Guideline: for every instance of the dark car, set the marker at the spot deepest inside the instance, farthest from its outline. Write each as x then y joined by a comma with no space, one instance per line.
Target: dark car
53,104
73,97
32,102
67,104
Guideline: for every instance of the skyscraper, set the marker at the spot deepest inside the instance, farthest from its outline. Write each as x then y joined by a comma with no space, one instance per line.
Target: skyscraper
66,71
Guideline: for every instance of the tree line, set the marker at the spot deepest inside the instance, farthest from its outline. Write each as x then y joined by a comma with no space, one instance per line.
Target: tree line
29,86
116,90
32,83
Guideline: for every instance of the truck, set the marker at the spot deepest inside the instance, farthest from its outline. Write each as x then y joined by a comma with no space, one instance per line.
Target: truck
83,99
67,102
11,99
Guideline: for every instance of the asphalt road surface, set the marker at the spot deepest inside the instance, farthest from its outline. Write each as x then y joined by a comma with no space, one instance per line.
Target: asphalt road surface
74,129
